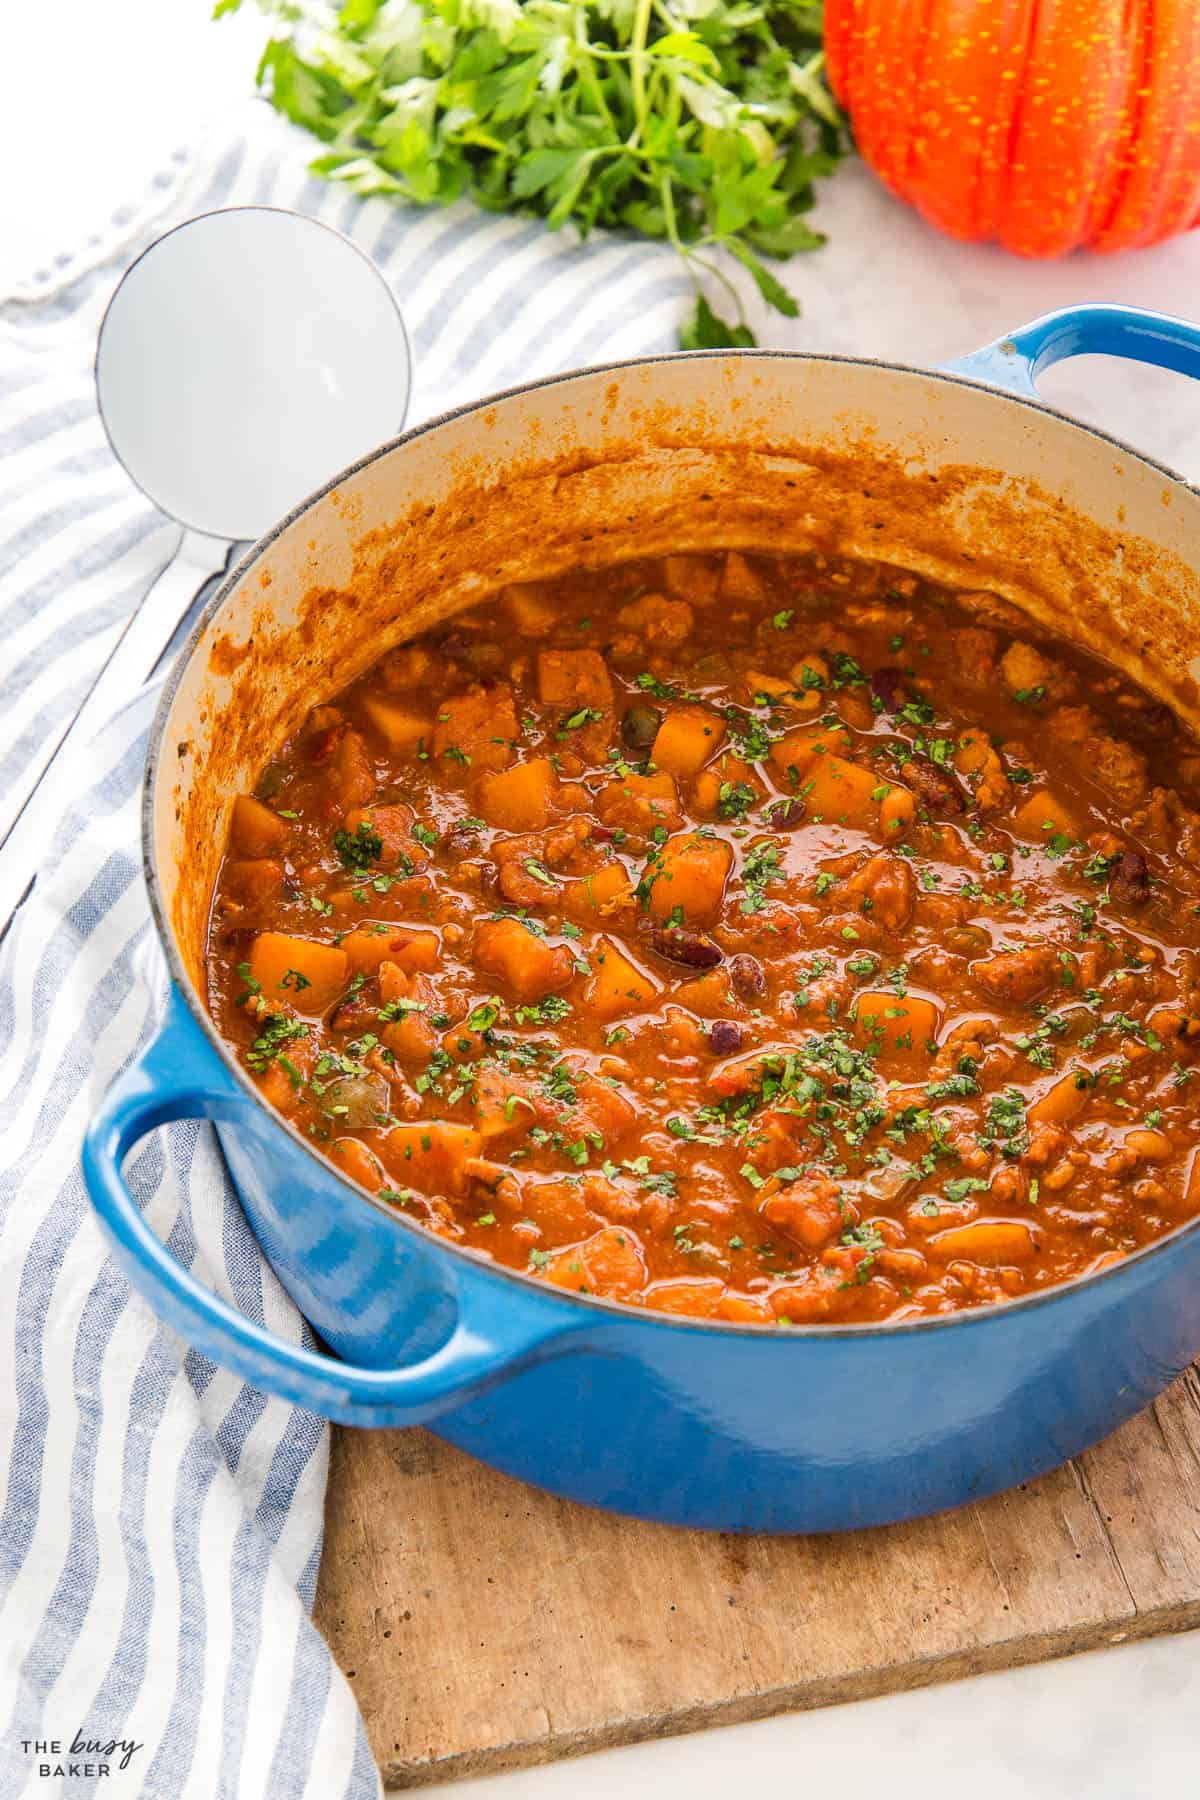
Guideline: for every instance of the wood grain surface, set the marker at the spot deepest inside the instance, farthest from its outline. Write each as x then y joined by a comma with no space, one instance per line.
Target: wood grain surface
484,1625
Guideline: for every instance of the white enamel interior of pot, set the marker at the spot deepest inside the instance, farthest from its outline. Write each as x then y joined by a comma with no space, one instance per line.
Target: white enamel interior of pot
778,452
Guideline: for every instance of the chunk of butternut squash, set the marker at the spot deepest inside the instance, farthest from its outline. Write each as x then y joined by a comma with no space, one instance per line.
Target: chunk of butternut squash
389,826
254,880
686,739
353,1158
1063,1101
697,1296
661,622
430,1155
689,878
710,994
883,1018
640,802
408,946
402,728
308,975
256,831
353,777
518,799
573,678
716,787
791,754
476,730
411,1036
278,1089
745,1309
832,787
503,1107
608,1263
507,951
616,984
598,895
407,667
1043,816
600,1110
757,682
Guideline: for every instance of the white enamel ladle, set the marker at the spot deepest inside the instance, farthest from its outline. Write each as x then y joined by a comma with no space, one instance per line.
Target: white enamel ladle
246,357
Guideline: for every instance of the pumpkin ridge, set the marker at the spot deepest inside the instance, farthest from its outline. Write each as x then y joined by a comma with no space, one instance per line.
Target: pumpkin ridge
1168,118
1140,20
991,212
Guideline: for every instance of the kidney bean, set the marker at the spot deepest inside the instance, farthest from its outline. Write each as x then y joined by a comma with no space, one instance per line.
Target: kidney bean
784,814
747,977
457,844
1130,880
939,790
888,683
724,1037
678,945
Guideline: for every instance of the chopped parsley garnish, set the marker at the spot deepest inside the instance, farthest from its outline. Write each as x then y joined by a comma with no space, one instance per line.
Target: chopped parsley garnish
549,1011
274,1031
253,987
586,715
845,672
762,865
662,690
959,1186
734,799
1005,1127
868,1238
361,850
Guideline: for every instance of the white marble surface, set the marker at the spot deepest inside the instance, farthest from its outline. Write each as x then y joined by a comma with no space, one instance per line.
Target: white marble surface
98,96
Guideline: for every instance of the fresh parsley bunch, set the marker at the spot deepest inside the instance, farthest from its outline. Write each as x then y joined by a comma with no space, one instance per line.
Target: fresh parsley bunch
701,122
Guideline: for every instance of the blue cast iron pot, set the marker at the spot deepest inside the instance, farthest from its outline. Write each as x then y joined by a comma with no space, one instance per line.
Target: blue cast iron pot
960,474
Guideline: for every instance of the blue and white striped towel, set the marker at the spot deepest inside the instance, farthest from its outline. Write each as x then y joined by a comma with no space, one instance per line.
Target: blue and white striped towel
160,1522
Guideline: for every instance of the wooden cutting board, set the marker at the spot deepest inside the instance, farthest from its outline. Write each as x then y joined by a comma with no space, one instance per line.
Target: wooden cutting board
484,1625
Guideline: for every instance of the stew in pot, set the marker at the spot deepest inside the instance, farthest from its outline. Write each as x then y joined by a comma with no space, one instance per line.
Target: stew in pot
762,939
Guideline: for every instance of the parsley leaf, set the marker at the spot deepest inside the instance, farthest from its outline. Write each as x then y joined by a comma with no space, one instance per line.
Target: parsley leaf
704,127
361,850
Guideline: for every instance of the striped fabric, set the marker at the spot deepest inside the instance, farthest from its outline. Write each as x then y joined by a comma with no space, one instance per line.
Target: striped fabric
160,1522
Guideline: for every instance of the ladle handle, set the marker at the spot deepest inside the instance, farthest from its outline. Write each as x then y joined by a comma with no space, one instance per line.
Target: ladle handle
131,662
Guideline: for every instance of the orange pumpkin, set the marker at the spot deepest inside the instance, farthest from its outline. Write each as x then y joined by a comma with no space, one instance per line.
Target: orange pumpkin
1045,125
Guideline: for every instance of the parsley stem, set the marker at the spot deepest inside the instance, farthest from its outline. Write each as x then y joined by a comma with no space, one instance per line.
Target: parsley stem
687,253
637,67
718,274
584,65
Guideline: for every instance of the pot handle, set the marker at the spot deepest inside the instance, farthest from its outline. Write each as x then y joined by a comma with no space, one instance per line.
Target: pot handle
179,1075
1015,361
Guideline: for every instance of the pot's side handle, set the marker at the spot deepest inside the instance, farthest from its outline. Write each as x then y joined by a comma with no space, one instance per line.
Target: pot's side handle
179,1075
1015,361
